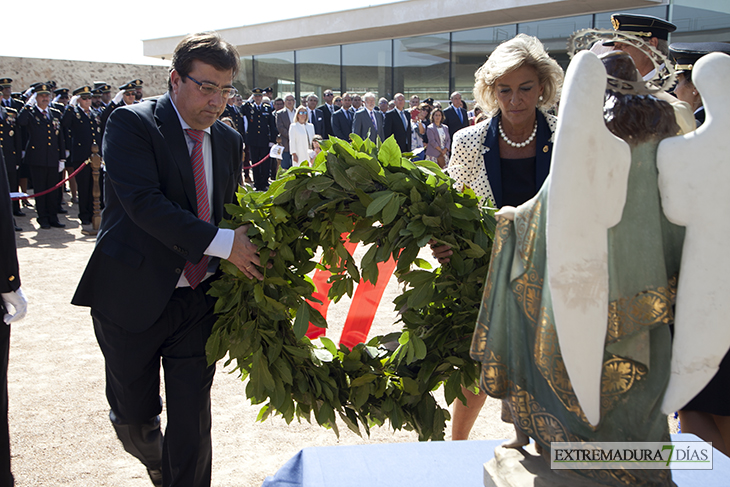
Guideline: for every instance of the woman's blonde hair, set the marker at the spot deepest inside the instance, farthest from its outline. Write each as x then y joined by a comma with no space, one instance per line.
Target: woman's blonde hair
513,54
296,114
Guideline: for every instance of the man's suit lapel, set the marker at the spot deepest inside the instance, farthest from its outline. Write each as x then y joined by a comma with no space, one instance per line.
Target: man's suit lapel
171,129
221,173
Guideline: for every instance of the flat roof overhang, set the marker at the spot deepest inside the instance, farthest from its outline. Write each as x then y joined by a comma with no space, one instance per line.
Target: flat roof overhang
387,22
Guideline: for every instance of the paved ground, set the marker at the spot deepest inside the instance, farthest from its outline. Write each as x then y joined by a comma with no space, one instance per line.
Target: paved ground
59,427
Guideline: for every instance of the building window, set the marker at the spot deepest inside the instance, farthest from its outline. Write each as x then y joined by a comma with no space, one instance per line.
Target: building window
368,66
469,50
275,71
421,67
318,70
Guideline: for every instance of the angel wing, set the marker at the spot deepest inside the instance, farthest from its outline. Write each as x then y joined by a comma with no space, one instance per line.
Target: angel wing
693,176
589,175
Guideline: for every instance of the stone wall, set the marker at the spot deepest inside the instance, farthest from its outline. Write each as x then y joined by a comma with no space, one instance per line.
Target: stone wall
73,74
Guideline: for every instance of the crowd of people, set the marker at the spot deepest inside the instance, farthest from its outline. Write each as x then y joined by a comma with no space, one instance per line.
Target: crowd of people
159,244
47,132
264,120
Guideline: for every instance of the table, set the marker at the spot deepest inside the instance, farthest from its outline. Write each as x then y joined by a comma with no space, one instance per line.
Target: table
433,463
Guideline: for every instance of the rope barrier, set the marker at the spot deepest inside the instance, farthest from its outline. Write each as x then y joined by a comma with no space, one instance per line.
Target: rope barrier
60,183
254,165
78,170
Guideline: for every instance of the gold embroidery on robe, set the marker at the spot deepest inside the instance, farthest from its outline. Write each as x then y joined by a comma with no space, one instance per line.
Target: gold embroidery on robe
528,291
630,315
526,231
494,376
501,233
617,378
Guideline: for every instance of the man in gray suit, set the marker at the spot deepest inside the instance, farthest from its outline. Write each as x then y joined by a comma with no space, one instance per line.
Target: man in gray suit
342,119
369,122
284,118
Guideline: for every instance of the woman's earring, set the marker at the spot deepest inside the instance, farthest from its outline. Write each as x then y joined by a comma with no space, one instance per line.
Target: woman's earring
540,98
694,92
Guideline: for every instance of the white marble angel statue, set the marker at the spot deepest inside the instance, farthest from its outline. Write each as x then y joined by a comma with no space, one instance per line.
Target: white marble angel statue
574,329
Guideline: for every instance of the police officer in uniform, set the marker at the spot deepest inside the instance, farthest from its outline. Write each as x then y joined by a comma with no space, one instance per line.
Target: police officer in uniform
138,90
260,136
9,101
84,125
234,114
12,148
685,55
44,153
125,96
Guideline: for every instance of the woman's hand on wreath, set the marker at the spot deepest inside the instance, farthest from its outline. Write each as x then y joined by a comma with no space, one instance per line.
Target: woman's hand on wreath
440,252
507,212
245,255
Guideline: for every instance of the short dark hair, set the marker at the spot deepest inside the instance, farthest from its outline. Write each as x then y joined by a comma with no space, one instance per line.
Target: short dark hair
207,47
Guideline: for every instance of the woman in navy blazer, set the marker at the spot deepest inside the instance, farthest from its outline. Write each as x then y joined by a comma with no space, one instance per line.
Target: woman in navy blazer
506,158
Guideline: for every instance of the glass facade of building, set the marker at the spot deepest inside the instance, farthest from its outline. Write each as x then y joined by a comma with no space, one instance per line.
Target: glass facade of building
436,65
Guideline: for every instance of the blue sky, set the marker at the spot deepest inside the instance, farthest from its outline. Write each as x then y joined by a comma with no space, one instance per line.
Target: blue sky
94,31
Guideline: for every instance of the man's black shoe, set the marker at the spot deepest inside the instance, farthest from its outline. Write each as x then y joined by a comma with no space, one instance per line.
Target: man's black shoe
18,229
57,225
62,210
18,213
155,476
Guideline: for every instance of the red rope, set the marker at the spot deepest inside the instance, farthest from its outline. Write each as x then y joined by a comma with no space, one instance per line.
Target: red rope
61,183
254,165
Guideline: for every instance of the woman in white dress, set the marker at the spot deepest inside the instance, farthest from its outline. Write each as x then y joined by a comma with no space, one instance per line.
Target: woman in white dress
301,134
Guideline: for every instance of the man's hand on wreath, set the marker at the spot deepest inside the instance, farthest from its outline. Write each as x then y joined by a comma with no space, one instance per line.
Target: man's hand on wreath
245,255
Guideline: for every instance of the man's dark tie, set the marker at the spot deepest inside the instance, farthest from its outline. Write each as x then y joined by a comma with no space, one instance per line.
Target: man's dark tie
194,273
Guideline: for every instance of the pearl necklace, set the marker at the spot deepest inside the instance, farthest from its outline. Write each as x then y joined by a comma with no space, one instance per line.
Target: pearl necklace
515,144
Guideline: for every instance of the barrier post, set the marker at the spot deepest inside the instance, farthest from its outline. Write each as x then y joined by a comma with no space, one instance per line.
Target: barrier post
96,190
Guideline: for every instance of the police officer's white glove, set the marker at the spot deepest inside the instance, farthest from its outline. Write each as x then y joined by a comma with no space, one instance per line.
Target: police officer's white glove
61,165
74,100
16,301
118,97
31,101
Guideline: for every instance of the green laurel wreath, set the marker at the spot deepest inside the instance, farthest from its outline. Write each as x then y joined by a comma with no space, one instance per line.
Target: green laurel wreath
396,206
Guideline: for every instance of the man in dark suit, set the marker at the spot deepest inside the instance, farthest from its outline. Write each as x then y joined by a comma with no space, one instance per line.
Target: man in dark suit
260,137
13,306
327,109
398,123
456,116
342,119
84,127
315,115
44,153
369,122
171,168
284,118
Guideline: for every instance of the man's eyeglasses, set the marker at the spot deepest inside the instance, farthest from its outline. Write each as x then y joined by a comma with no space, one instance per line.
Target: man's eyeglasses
129,93
209,89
